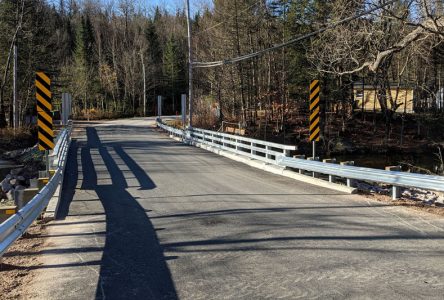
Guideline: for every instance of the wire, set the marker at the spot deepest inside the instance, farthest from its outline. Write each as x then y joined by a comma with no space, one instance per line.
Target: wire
220,23
289,42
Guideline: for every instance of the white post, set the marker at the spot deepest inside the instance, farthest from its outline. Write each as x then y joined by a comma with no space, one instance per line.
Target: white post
144,85
64,109
69,105
190,66
184,109
314,150
15,95
159,107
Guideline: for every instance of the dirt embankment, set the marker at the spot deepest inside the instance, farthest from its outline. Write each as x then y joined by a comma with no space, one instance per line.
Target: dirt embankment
18,263
17,139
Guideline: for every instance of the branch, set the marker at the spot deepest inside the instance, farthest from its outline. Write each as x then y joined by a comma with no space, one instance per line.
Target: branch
11,47
411,37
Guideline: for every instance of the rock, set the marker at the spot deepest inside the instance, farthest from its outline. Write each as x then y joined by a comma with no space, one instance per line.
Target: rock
6,186
10,195
8,177
33,183
19,187
16,172
13,181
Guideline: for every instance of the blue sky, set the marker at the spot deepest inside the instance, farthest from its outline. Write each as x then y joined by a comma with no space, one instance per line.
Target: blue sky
171,5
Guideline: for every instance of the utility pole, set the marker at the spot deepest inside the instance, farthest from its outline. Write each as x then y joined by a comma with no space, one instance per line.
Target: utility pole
190,66
15,96
144,85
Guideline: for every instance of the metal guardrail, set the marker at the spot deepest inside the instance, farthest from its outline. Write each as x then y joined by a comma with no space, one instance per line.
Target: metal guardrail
279,154
394,178
173,131
17,224
252,148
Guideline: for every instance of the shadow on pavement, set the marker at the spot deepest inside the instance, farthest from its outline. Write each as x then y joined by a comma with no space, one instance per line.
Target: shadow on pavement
69,185
133,265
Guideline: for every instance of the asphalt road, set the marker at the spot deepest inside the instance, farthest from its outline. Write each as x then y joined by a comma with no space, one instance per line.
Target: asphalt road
145,217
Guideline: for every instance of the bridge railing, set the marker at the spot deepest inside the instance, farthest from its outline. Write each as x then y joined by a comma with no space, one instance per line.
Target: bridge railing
252,148
17,224
396,179
173,131
279,154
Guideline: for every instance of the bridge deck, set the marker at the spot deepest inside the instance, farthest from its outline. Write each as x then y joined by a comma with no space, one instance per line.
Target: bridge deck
144,217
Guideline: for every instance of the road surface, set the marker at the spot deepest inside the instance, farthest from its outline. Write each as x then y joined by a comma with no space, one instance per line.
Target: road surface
145,217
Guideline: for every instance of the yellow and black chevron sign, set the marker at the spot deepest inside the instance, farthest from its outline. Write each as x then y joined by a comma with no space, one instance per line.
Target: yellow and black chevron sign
315,130
44,107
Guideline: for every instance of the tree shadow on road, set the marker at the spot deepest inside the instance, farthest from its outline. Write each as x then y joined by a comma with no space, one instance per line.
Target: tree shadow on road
133,265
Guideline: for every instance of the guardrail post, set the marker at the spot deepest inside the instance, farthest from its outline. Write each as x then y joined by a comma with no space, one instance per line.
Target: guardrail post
237,142
299,157
315,175
252,145
331,178
267,155
396,190
350,182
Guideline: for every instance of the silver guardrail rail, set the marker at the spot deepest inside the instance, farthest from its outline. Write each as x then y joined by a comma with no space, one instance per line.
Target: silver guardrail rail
279,155
394,178
17,224
252,148
173,131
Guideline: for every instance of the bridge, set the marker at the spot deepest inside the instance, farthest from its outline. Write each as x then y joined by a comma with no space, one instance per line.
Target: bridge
145,217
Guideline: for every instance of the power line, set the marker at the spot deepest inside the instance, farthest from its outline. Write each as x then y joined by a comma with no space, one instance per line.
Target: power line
289,42
220,23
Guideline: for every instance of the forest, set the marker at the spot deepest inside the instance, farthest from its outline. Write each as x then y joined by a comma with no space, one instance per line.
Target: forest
102,52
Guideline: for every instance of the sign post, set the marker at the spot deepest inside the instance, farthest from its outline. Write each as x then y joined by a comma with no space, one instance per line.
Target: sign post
44,115
184,109
314,114
159,107
66,108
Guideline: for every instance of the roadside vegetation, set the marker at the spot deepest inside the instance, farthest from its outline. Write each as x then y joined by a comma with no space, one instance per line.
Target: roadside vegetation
100,51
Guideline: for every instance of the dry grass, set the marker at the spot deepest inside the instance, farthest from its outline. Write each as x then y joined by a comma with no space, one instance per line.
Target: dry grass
97,114
11,139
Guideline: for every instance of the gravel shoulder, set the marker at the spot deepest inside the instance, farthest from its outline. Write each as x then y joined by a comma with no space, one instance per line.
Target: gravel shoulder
17,271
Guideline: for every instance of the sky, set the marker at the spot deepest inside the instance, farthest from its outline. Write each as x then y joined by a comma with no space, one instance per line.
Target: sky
170,5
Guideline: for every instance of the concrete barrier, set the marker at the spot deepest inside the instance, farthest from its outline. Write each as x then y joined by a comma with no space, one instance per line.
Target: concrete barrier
42,182
22,197
6,212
